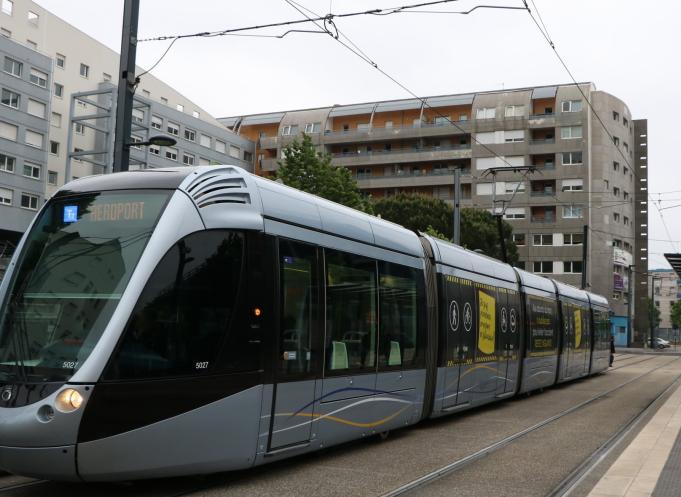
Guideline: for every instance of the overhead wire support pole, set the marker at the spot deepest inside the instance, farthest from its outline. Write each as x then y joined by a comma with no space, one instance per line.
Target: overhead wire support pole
457,207
585,248
126,86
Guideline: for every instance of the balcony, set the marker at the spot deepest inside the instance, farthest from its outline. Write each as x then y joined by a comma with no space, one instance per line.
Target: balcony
397,132
543,141
542,188
409,179
543,219
397,156
543,214
269,164
269,142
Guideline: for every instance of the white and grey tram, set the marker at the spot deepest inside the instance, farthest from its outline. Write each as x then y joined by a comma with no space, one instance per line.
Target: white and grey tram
195,320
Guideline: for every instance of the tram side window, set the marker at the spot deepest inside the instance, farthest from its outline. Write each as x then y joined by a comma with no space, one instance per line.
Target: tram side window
350,312
296,262
398,345
185,311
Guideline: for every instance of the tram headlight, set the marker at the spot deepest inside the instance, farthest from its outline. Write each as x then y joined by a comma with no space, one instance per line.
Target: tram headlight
69,400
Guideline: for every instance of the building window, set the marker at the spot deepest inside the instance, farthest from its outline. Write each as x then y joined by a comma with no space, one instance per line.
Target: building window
77,150
29,201
570,132
625,195
221,146
34,139
7,7
615,166
572,266
188,159
204,140
572,158
290,130
84,70
572,238
514,111
5,32
106,76
626,146
36,108
616,140
54,147
542,240
543,267
33,17
58,90
615,116
38,78
189,134
572,212
515,213
486,113
5,196
204,162
171,153
625,122
571,106
606,185
234,152
616,217
52,177
625,170
60,61
154,149
180,107
313,127
196,114
10,99
626,221
146,93
134,139
31,170
8,131
156,122
512,136
616,191
248,156
573,185
164,100
13,67
78,128
519,239
7,163
138,116
173,129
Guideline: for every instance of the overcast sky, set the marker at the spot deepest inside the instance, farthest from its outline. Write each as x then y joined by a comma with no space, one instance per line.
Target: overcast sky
628,48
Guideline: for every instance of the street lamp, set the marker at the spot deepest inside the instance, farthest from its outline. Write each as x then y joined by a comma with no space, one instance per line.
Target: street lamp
629,299
158,140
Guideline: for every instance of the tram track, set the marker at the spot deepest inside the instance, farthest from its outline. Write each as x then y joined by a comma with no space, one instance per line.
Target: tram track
184,487
461,463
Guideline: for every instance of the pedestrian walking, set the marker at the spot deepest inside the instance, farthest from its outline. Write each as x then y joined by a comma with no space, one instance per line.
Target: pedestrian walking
612,349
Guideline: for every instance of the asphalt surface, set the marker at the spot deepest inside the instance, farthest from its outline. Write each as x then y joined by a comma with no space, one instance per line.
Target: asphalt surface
531,466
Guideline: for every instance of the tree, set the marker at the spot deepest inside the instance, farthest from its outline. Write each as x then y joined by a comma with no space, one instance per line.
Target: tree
479,231
310,171
434,216
654,314
676,314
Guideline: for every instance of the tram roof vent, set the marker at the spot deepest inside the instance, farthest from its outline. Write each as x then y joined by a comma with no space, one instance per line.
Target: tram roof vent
225,186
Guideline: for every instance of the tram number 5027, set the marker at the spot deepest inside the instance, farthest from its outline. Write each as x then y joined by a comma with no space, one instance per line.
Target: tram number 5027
201,365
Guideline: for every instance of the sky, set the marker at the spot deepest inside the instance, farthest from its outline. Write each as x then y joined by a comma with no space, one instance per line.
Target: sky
627,48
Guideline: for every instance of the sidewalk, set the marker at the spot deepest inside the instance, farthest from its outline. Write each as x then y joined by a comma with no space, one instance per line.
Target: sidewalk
650,466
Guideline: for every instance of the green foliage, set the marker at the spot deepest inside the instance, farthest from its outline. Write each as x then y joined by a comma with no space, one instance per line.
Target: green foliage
310,171
434,217
479,231
653,313
416,212
676,314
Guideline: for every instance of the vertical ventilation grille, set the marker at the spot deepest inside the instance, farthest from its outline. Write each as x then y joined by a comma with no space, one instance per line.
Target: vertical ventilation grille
221,187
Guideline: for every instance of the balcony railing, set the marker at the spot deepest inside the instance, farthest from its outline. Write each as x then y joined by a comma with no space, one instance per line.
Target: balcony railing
541,116
369,153
542,193
412,174
550,165
455,124
543,141
543,219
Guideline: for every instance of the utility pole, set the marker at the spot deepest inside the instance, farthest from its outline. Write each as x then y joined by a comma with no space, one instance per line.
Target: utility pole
126,86
629,299
457,207
652,312
584,253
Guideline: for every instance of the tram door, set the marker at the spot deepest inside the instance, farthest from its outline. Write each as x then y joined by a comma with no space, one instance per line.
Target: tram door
503,341
568,342
294,382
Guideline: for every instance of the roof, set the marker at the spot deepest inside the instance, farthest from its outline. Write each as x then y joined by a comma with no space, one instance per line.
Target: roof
674,261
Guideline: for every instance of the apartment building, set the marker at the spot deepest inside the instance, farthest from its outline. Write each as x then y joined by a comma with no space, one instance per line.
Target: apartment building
580,174
665,292
71,62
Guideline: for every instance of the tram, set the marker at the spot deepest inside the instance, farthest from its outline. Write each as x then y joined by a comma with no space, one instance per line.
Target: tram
195,320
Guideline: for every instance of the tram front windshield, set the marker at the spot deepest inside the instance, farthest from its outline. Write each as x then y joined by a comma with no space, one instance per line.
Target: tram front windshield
71,274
